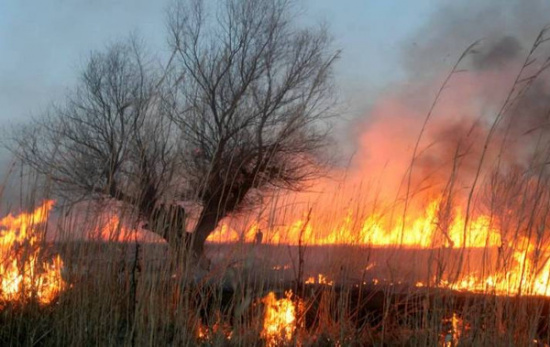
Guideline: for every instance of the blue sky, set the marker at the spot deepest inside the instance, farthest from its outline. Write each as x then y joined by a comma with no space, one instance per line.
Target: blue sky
43,44
372,35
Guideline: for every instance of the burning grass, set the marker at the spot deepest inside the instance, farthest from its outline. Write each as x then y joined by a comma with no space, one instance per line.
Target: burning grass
24,273
479,255
242,302
279,322
451,249
254,295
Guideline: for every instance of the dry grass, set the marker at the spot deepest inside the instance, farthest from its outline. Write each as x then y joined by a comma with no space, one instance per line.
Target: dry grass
117,298
128,294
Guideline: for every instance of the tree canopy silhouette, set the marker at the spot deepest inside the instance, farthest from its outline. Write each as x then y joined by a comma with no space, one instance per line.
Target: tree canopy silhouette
241,107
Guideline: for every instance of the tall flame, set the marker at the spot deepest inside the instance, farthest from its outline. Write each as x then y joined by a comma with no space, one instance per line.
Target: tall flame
22,273
279,319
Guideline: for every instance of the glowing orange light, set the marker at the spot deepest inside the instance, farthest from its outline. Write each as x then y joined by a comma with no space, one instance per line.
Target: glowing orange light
23,275
279,319
421,229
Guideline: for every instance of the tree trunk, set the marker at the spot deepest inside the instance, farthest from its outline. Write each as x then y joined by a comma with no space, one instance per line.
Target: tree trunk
168,221
208,221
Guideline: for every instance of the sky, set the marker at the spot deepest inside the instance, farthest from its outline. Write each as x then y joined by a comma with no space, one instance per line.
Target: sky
394,56
44,44
386,45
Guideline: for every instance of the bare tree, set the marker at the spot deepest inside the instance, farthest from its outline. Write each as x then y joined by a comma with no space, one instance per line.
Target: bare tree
242,107
109,138
252,103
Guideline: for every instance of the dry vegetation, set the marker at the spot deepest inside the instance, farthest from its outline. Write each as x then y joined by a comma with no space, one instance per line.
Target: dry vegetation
118,293
126,293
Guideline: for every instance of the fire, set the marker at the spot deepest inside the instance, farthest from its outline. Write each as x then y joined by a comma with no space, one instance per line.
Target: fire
279,319
321,279
375,230
24,276
455,327
113,228
208,334
423,231
514,265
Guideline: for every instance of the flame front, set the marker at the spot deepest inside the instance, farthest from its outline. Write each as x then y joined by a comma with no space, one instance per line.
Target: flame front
23,275
513,264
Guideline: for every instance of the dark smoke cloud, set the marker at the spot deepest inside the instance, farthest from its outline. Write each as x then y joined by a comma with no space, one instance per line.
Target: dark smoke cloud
454,139
458,24
506,49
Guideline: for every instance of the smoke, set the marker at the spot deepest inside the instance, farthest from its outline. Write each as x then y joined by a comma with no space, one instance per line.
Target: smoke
481,120
480,114
505,50
502,26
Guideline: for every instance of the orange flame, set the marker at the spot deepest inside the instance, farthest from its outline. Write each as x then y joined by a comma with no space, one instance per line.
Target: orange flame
321,279
114,228
279,319
419,232
517,273
23,276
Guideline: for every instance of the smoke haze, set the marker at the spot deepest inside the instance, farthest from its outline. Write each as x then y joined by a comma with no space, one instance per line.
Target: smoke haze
454,139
